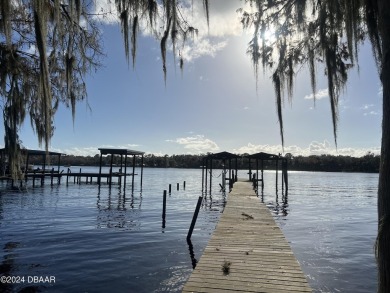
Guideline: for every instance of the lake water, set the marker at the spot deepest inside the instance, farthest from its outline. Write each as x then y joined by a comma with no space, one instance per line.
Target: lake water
92,240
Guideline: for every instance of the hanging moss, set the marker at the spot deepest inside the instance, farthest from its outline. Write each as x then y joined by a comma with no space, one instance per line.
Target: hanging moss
310,32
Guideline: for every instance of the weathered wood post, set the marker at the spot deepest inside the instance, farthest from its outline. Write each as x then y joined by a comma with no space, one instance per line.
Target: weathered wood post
206,178
132,178
177,186
202,176
257,176
262,174
184,185
235,178
284,172
277,171
170,188
59,163
211,173
200,199
164,208
250,171
44,170
100,168
110,179
34,177
67,176
142,169
230,170
120,172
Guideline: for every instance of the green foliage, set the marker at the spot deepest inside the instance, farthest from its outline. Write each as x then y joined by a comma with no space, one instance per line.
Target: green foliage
324,163
308,32
46,49
175,27
48,46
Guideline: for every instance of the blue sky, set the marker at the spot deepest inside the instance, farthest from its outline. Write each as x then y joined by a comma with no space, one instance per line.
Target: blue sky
213,105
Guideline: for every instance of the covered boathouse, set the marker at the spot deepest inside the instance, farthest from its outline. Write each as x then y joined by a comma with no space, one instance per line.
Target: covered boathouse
229,164
46,159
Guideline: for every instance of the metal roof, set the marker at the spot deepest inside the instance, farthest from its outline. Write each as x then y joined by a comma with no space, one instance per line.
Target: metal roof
264,156
222,156
36,152
42,153
109,151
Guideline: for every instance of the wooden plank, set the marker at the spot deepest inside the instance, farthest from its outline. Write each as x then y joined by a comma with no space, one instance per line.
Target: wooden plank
248,242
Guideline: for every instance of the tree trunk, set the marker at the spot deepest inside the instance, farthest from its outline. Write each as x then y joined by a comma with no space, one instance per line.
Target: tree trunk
383,239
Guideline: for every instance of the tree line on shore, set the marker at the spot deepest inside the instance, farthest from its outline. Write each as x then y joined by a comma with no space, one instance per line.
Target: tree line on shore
328,163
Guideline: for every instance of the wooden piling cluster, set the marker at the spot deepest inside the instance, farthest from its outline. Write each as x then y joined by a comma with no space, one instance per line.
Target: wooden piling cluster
247,251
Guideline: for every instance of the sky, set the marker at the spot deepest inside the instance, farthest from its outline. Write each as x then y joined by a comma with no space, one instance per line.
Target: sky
213,105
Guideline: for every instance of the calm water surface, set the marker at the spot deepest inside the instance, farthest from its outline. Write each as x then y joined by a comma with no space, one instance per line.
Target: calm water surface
115,240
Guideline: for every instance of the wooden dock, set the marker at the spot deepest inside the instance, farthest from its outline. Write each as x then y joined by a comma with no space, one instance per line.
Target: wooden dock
247,251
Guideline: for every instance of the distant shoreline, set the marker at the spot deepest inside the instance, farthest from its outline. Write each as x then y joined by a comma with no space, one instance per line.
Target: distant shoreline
323,163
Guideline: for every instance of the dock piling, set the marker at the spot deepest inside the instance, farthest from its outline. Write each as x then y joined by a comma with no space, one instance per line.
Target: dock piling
164,208
195,216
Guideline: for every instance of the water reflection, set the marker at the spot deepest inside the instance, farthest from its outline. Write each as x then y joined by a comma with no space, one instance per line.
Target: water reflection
217,203
8,264
279,208
118,211
194,261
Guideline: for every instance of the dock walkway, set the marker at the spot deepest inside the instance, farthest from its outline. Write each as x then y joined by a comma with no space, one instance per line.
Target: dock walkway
247,251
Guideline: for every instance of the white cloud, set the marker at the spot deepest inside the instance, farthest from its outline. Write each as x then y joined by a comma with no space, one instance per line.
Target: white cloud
224,22
201,47
314,148
367,106
196,144
320,94
76,151
91,151
374,113
367,112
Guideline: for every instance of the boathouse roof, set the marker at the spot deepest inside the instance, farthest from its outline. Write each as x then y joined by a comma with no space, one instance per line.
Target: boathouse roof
42,153
222,156
36,152
264,156
110,151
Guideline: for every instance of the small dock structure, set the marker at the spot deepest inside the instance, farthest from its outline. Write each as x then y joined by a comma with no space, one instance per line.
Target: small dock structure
121,174
228,162
47,160
229,172
247,251
256,164
50,168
